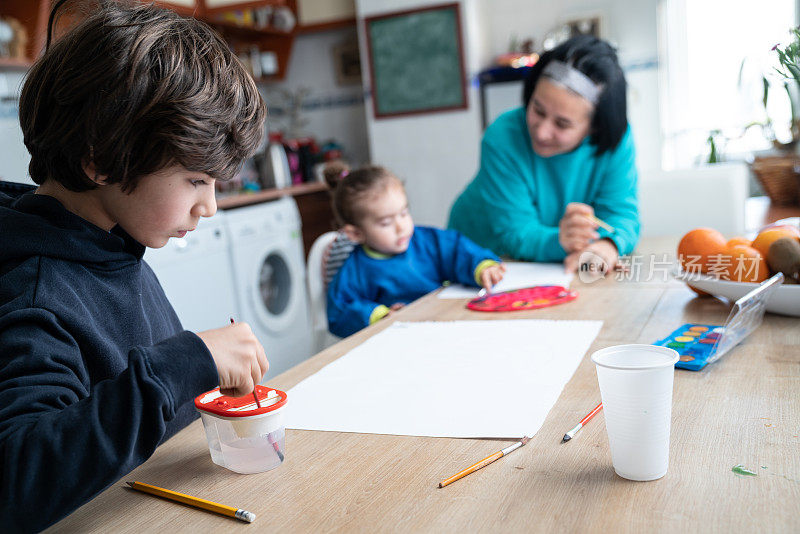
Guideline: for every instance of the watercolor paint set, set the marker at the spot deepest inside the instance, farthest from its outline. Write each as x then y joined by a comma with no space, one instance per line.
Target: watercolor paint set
695,343
701,344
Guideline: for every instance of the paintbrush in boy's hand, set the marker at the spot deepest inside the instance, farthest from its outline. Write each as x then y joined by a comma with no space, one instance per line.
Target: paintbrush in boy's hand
255,396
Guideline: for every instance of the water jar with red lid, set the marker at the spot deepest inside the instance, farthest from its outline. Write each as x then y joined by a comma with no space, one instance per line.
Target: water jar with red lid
241,436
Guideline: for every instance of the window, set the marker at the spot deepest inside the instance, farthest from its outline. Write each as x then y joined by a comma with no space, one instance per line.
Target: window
704,44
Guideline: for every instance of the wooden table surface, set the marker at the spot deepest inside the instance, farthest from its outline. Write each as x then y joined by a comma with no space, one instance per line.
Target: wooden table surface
743,409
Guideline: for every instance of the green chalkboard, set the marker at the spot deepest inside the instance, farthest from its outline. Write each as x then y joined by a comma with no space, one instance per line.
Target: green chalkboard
416,61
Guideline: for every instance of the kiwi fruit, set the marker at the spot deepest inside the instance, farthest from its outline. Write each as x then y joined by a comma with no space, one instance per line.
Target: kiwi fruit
783,256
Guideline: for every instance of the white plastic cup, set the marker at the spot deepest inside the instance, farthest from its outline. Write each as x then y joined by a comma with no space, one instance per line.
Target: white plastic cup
636,388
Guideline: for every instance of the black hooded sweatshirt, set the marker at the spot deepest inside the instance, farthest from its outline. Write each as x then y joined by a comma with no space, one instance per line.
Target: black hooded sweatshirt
95,369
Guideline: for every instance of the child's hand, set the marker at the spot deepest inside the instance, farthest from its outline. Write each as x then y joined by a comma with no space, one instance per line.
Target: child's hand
576,230
239,357
491,275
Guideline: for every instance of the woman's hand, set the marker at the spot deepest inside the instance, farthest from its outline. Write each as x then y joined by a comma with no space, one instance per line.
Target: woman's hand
604,256
491,275
576,229
239,357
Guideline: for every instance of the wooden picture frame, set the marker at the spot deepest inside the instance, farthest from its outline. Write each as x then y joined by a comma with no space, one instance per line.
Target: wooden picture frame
416,61
586,24
347,63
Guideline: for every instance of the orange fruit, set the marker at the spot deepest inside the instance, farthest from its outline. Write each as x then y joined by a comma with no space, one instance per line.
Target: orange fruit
738,241
745,264
696,249
769,235
700,292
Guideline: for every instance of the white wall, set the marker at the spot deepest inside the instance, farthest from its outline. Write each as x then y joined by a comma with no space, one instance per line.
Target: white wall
437,153
332,110
630,25
14,157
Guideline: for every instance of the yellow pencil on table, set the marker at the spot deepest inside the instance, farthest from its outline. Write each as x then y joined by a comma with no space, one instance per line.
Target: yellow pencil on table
197,502
483,463
601,223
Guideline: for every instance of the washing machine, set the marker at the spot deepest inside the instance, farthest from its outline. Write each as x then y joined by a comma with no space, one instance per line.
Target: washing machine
195,272
269,274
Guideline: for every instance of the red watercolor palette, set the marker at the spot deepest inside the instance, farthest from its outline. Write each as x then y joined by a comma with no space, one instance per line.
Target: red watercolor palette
529,298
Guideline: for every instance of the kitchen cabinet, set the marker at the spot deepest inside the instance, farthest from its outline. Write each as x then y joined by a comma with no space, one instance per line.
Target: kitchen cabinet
32,16
245,41
315,15
181,6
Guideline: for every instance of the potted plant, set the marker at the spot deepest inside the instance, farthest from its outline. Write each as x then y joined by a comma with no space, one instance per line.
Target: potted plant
780,175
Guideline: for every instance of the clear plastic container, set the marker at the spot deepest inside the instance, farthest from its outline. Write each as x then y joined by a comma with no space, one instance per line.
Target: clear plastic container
241,436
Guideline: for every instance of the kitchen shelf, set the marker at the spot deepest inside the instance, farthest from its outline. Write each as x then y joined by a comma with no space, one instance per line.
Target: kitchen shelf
313,203
18,64
33,15
245,32
325,26
245,199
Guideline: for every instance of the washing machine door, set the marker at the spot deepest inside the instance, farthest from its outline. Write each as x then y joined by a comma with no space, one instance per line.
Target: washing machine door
276,287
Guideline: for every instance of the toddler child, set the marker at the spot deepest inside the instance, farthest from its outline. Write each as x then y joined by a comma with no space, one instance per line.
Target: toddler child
129,117
395,262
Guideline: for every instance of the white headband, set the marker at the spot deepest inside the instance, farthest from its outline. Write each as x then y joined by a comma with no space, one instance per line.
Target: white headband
573,79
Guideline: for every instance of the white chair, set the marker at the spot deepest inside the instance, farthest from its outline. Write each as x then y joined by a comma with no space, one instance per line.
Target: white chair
315,282
673,202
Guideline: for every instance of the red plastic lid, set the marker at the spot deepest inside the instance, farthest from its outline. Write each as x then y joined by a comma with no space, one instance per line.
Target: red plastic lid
216,403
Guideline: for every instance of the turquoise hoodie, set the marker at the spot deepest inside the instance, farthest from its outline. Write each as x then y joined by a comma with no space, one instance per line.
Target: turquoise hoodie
514,204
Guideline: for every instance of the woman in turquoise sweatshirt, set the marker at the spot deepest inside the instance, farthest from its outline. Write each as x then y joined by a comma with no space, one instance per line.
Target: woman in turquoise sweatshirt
550,166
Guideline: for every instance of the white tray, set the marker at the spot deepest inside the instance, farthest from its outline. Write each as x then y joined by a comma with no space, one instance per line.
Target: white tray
785,300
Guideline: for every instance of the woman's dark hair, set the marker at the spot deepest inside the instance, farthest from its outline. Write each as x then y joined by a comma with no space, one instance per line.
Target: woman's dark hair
134,89
350,187
598,60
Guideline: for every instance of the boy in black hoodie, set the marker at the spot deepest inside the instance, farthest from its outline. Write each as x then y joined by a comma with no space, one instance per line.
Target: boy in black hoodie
129,119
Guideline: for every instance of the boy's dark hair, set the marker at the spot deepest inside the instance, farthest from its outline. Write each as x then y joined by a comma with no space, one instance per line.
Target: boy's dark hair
598,60
134,89
350,187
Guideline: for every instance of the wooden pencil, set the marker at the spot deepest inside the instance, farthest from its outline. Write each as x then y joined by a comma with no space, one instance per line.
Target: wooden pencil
601,223
197,502
483,463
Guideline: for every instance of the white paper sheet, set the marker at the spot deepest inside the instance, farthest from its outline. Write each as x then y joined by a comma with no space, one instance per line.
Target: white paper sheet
447,379
518,275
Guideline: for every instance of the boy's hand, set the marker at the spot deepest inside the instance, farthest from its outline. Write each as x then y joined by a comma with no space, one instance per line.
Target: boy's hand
239,357
576,230
491,275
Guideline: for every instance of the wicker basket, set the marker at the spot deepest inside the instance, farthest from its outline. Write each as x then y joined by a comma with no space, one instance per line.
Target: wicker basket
780,178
